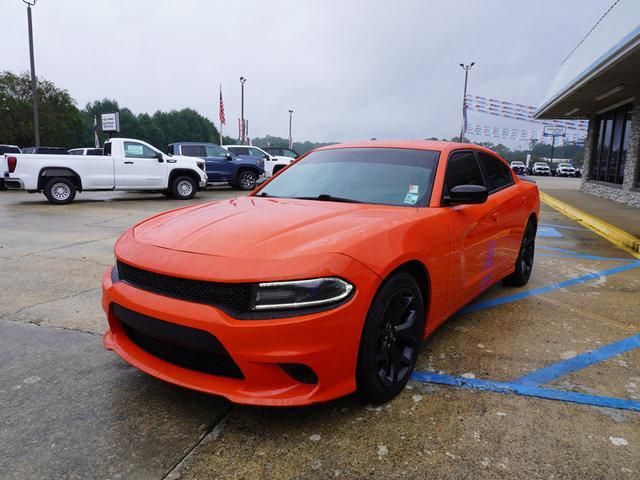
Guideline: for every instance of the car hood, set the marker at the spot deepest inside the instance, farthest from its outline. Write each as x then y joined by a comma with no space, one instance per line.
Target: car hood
255,228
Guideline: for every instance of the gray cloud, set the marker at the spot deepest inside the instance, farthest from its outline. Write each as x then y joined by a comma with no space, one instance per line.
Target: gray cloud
349,69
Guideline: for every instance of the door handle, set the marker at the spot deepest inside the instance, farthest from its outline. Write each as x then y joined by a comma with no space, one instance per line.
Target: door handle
129,163
495,216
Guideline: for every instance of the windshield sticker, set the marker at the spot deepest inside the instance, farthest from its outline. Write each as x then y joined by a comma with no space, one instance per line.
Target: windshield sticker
411,199
413,188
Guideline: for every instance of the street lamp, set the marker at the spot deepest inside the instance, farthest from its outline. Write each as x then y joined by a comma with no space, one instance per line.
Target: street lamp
466,69
290,139
242,126
34,97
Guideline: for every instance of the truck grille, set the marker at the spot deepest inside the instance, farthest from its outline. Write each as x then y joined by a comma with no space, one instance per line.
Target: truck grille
182,346
232,297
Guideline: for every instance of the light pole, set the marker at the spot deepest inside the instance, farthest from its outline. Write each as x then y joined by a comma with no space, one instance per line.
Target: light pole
242,126
34,95
290,138
466,69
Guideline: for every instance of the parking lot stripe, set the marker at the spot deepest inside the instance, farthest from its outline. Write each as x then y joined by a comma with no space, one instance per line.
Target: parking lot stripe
494,302
515,388
579,362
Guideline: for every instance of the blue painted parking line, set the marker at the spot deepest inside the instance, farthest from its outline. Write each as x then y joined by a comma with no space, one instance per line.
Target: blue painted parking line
515,388
548,232
562,226
494,302
579,362
532,384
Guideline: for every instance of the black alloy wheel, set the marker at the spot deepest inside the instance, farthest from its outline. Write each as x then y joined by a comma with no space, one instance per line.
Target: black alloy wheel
391,339
524,262
247,180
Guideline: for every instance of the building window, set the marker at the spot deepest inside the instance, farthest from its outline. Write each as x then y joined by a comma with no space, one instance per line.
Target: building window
610,151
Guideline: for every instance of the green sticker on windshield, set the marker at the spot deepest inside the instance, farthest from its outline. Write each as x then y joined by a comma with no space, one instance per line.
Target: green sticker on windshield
411,199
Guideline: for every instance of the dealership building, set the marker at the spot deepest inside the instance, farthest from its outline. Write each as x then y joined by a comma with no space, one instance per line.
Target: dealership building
600,81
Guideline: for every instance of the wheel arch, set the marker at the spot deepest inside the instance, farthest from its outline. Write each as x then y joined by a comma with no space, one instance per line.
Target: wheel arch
419,271
52,172
183,172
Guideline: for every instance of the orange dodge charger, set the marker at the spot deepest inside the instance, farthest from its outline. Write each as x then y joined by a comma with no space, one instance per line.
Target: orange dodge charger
326,278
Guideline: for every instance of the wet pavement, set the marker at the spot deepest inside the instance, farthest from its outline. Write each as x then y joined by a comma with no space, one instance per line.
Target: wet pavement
73,410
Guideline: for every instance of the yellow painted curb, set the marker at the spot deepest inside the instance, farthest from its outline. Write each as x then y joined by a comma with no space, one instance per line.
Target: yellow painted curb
615,235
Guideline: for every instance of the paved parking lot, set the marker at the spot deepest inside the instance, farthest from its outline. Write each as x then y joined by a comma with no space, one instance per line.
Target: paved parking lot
502,390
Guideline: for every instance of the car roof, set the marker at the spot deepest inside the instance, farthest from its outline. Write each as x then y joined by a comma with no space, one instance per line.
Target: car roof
436,145
194,143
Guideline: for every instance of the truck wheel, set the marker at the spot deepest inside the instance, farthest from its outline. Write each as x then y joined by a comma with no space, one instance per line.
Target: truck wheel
60,191
183,188
247,180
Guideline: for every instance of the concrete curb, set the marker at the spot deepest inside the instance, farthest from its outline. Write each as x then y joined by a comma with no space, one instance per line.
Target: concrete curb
615,235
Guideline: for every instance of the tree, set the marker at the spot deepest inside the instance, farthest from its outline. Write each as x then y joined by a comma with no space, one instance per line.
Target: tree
59,118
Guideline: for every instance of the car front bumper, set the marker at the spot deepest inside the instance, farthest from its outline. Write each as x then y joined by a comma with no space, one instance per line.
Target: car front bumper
327,342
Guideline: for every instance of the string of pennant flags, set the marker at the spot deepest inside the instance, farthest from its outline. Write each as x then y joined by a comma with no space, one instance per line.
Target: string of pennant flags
575,130
516,133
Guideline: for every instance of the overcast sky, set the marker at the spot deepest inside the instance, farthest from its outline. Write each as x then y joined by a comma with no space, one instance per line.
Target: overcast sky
348,69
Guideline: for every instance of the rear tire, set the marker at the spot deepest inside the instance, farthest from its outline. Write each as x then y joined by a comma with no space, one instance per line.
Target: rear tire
60,191
183,188
524,262
391,339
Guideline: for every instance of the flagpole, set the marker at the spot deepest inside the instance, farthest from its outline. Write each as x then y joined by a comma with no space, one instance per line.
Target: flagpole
220,116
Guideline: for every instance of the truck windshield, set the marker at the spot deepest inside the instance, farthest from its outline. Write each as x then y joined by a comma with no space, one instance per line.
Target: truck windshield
386,176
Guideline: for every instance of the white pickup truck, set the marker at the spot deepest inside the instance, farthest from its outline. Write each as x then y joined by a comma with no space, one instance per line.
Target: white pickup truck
127,164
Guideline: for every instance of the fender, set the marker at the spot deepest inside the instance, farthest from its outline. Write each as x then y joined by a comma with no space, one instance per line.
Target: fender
58,172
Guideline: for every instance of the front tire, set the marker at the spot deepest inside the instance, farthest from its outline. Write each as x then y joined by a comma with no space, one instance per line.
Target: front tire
524,262
60,191
391,339
247,180
183,188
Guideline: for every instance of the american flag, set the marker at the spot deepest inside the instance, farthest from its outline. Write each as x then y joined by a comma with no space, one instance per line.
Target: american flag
223,120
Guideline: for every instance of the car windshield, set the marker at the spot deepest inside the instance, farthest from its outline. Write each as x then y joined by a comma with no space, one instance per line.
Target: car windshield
519,164
387,176
541,164
566,165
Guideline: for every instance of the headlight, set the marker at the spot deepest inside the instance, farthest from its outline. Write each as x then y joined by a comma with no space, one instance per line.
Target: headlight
300,293
260,162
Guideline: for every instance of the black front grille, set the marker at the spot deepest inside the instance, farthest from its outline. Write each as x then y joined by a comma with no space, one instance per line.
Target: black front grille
189,347
232,297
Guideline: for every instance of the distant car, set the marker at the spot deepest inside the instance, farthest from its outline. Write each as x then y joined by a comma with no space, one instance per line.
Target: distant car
45,150
519,167
565,170
222,166
6,149
272,164
85,151
541,168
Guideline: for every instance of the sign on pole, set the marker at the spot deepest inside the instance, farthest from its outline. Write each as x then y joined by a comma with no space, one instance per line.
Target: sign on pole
110,122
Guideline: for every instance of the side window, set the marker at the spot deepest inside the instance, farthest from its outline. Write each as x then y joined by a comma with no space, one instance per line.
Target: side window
239,150
462,169
75,152
193,150
254,152
215,151
289,153
138,150
495,172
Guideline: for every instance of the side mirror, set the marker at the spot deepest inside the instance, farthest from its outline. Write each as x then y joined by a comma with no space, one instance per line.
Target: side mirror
229,156
266,156
467,194
160,157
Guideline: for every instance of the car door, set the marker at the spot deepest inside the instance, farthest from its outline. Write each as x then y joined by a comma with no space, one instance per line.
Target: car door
142,169
509,211
221,164
194,150
474,231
